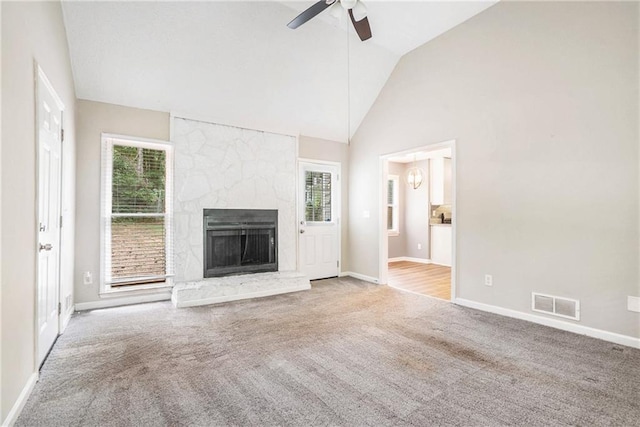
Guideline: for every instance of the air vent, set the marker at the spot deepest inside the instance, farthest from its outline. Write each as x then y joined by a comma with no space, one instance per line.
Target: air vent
557,306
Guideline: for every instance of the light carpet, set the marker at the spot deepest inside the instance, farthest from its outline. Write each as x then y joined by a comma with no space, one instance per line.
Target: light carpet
345,353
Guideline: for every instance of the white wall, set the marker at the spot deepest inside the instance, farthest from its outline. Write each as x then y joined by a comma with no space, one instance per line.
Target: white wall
416,215
94,118
218,166
398,243
1,416
542,99
30,32
332,151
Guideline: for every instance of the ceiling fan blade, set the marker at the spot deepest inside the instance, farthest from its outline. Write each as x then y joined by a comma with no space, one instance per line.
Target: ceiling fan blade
362,26
309,13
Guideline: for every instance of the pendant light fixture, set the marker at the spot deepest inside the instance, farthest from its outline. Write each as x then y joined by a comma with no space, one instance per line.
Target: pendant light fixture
415,175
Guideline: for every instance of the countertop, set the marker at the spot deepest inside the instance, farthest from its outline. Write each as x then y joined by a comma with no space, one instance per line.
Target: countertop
439,224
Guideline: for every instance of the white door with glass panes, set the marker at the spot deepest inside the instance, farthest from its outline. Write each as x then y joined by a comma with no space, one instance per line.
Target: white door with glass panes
318,219
49,114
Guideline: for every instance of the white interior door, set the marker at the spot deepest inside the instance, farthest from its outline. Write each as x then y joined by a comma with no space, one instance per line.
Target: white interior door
318,220
49,190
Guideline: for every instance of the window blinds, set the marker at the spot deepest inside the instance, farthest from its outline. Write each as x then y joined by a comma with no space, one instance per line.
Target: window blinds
318,196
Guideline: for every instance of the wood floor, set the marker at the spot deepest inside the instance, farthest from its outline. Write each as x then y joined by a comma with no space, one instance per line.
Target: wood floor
427,279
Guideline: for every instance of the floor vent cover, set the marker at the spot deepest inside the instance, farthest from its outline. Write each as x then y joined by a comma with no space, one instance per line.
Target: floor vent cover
557,306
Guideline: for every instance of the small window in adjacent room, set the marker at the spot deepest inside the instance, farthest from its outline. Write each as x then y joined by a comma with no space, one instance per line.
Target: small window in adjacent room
136,214
393,223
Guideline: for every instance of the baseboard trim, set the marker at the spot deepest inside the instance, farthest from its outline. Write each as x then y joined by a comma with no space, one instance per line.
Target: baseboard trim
115,302
15,411
359,276
410,259
553,323
67,318
418,294
442,265
236,297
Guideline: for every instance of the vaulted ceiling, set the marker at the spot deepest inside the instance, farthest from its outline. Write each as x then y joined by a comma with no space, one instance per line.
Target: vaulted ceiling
236,62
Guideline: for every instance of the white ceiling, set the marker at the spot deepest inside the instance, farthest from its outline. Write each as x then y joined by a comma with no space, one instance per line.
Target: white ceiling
237,63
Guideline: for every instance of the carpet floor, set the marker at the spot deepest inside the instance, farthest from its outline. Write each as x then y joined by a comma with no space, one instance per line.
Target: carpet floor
344,353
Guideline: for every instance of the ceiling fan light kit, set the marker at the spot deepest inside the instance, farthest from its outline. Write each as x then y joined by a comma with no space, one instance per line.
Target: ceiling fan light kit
348,4
336,10
359,11
356,10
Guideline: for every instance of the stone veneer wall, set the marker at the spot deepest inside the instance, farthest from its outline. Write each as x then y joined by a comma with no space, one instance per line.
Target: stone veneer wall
219,166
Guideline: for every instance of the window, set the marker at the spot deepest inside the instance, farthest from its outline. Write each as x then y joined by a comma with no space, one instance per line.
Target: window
136,214
317,196
393,220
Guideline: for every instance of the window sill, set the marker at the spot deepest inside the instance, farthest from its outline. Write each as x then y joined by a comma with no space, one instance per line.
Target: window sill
109,292
393,233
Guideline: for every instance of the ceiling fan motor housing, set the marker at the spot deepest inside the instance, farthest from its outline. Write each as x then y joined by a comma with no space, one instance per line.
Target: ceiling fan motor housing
355,9
348,4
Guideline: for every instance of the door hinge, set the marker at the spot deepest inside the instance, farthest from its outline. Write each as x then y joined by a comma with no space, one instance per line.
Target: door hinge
60,221
61,135
59,308
338,264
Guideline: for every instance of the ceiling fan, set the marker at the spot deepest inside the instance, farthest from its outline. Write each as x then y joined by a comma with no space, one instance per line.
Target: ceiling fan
355,8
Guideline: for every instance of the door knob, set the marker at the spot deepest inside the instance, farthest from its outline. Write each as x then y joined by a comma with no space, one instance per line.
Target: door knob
301,231
46,247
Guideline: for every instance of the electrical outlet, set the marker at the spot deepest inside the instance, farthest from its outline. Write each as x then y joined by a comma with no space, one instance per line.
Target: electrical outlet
87,279
419,246
488,280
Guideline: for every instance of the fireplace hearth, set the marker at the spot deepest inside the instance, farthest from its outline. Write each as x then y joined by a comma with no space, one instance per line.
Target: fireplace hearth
240,241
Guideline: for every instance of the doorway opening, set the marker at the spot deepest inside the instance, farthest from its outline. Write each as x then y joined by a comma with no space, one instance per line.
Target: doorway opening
418,225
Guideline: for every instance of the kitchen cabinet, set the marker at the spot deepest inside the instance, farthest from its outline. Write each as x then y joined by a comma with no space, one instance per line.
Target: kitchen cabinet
441,245
441,177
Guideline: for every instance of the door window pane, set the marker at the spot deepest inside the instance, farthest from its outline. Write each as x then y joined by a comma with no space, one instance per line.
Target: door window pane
317,196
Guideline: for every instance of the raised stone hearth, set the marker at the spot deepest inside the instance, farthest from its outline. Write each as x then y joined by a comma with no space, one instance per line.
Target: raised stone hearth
230,288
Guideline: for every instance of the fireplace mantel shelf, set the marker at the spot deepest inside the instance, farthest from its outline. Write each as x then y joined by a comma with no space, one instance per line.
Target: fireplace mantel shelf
230,288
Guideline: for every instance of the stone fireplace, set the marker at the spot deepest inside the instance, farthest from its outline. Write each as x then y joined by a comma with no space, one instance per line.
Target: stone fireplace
240,241
227,169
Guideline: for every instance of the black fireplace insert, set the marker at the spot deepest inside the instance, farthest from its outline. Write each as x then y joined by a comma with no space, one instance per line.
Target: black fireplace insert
240,241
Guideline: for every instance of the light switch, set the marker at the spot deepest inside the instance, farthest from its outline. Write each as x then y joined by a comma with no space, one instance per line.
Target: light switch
488,280
87,279
633,304
366,214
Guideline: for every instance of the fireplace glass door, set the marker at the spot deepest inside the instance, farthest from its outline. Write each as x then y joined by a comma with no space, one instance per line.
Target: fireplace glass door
245,245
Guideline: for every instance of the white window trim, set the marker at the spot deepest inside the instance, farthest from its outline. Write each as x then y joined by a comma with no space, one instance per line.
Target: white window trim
108,140
395,230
